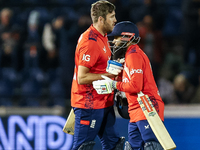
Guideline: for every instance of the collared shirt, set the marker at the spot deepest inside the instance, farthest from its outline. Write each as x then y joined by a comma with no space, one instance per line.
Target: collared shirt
93,52
138,76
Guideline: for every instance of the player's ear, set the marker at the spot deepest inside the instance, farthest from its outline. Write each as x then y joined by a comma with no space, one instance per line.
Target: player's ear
101,19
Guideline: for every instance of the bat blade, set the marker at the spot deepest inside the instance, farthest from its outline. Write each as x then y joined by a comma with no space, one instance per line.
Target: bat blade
156,123
69,125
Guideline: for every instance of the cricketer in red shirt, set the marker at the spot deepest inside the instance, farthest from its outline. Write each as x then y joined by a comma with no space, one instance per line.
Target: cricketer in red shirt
92,52
138,76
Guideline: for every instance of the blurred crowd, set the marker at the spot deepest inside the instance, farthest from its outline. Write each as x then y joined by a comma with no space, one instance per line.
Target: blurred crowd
38,41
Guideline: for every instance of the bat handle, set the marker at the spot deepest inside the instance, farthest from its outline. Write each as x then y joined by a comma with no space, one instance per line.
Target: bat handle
140,94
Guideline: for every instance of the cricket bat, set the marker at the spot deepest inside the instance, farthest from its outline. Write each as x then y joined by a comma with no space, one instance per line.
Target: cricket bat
69,125
155,122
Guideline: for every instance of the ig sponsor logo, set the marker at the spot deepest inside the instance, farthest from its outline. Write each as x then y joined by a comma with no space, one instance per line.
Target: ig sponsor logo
86,57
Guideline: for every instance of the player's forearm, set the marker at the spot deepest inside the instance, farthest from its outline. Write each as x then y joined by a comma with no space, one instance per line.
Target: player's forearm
88,78
129,87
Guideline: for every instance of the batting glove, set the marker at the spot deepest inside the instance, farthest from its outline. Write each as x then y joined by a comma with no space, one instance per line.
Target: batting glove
114,67
104,86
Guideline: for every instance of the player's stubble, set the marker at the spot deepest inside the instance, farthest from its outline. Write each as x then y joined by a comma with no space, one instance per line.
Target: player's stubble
107,27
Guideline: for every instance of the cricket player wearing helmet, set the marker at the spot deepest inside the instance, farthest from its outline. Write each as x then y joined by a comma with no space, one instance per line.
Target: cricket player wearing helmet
137,76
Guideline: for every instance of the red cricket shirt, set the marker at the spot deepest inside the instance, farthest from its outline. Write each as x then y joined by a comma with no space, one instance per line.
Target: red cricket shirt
138,76
92,52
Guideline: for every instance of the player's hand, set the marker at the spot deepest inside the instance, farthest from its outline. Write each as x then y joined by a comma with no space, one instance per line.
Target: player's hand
110,81
104,86
114,67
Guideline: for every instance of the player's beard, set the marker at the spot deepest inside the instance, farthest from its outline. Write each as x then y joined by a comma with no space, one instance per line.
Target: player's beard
107,27
119,52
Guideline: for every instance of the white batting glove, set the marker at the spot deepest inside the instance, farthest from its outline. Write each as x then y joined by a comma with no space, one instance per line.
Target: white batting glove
104,86
114,67
122,60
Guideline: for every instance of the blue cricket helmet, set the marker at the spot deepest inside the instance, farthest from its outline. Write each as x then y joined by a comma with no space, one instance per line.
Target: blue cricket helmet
129,33
124,26
121,104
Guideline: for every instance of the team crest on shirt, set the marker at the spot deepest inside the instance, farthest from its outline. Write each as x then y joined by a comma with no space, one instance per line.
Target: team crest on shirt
104,49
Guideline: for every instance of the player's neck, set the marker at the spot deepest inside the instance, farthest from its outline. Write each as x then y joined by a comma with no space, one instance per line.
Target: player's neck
99,28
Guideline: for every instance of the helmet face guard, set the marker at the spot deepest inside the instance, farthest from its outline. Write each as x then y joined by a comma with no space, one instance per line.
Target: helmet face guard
129,34
126,40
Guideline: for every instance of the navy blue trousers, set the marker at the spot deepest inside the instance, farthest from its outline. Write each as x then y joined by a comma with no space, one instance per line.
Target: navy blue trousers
139,133
90,123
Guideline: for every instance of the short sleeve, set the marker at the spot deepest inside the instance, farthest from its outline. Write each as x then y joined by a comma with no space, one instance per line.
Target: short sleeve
89,53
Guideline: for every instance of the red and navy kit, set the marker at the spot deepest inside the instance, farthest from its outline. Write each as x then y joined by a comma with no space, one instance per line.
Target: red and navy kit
138,76
92,52
94,113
